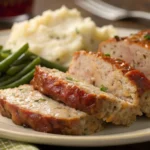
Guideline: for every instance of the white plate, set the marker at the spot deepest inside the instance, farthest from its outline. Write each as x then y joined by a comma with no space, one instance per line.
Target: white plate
111,135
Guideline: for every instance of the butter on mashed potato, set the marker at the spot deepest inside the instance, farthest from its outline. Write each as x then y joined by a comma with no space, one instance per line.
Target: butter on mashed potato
56,35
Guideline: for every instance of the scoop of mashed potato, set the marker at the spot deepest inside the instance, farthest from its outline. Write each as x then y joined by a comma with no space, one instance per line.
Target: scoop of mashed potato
56,35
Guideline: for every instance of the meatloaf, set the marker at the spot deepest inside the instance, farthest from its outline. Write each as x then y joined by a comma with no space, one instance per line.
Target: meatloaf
134,49
114,76
29,108
84,96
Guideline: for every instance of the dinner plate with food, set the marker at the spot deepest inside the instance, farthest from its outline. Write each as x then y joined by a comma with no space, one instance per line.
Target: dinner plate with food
66,81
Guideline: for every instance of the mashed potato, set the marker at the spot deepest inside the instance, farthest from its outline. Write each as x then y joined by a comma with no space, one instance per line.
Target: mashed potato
56,35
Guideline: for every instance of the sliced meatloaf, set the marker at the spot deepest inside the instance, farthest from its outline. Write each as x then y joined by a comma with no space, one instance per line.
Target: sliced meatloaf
114,76
29,108
134,49
84,96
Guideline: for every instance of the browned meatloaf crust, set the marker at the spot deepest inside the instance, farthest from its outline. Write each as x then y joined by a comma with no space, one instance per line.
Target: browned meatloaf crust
29,108
134,49
116,75
83,96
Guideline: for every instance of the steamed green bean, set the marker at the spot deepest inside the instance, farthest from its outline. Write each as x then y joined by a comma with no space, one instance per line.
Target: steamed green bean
4,64
28,68
24,80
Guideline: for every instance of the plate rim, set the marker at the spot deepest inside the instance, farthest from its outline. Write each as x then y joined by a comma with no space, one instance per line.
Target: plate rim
139,136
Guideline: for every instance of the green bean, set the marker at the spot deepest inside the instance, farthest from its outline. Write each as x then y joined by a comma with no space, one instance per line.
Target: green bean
1,58
15,69
29,67
4,78
24,57
30,55
6,51
4,55
24,80
1,74
4,65
1,47
49,64
52,65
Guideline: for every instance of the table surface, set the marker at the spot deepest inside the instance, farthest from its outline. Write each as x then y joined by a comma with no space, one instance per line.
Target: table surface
41,5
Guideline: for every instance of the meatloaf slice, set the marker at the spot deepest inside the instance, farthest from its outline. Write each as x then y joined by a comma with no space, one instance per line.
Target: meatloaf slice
134,49
83,96
112,75
28,107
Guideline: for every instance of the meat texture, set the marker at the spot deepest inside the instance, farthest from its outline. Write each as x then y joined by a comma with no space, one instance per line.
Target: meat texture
84,96
134,49
114,76
29,108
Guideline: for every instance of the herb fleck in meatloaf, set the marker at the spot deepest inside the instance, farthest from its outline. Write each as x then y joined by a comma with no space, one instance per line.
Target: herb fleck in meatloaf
83,96
134,49
28,107
112,75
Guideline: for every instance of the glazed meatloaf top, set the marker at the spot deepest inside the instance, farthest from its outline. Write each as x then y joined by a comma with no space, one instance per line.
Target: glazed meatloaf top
30,108
84,96
141,38
134,49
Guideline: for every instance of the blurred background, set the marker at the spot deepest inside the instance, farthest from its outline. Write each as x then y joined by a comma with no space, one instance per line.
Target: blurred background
36,7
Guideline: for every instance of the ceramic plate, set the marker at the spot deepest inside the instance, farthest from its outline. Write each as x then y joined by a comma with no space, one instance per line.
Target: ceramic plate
112,135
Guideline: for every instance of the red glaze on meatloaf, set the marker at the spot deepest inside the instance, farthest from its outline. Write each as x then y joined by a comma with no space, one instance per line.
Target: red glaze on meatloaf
83,96
30,108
